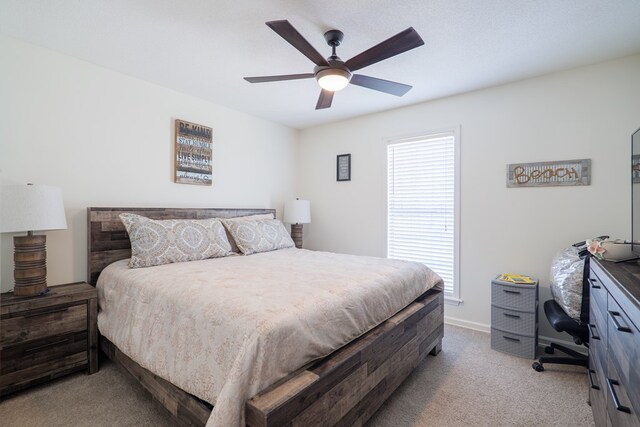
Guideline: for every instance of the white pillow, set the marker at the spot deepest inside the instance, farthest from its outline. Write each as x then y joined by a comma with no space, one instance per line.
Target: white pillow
234,247
157,242
258,236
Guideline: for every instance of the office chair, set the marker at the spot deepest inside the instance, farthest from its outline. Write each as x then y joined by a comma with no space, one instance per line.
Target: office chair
562,322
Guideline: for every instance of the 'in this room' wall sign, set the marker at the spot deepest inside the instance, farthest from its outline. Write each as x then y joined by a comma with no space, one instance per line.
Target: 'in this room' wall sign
194,153
547,174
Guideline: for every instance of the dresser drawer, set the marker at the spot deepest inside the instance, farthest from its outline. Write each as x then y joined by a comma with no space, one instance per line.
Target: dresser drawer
518,298
598,355
624,350
42,323
620,409
597,395
598,299
518,322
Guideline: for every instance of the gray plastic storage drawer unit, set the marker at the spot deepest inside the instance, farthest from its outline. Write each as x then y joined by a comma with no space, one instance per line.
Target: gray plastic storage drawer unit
514,318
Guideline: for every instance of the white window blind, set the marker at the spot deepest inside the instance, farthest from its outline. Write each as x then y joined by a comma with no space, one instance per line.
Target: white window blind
421,204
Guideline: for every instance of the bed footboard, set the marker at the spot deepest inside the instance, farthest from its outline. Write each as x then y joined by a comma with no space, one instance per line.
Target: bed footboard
347,387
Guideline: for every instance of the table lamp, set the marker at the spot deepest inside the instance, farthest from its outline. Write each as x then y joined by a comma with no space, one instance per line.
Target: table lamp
296,213
30,208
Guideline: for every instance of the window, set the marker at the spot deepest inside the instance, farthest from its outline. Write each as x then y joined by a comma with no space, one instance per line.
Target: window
422,204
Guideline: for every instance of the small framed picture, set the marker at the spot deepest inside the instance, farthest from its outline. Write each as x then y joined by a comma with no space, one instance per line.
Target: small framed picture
344,167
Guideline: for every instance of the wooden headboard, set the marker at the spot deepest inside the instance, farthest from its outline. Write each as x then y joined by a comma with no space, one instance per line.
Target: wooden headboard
107,239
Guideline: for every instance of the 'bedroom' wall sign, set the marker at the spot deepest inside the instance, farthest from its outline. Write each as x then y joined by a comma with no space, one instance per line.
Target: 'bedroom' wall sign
549,174
194,154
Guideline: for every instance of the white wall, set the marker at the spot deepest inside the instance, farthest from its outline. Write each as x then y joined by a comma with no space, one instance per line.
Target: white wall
106,139
588,112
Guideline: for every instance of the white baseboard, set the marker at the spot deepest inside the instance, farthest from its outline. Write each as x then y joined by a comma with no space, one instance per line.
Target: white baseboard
482,327
467,324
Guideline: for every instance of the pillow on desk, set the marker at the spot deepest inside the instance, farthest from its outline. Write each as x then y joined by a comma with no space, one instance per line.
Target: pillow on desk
157,242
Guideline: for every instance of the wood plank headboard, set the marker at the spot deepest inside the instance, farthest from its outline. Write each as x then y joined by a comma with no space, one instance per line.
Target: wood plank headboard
107,239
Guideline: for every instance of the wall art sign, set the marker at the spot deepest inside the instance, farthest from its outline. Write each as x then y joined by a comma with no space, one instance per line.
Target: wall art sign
194,153
549,174
343,168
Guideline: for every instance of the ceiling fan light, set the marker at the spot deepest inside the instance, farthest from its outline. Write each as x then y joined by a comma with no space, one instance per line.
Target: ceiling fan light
333,79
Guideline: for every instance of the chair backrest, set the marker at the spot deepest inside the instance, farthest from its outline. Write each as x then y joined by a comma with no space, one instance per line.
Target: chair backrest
584,307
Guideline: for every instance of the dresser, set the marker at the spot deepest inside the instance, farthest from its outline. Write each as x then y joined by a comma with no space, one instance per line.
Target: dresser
514,318
47,336
614,343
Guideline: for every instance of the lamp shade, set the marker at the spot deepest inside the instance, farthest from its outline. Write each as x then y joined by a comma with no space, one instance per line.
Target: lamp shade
297,212
31,208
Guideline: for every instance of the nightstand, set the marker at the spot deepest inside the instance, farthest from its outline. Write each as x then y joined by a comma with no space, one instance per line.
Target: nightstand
47,336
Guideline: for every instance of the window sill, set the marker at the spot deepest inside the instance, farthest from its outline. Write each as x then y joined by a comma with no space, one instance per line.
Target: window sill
452,300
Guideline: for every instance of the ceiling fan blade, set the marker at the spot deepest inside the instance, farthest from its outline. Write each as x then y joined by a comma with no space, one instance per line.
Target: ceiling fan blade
291,35
324,101
264,79
401,42
386,86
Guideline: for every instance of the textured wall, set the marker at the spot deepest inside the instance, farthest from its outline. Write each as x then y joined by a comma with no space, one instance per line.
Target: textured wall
589,112
106,140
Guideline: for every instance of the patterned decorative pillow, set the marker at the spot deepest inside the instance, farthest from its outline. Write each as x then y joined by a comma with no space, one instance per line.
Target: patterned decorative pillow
157,242
258,236
234,247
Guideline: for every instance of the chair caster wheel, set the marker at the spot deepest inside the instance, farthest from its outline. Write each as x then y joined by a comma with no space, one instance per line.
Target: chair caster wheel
537,366
549,350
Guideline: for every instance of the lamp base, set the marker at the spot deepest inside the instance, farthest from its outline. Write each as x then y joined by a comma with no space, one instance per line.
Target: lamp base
296,235
30,258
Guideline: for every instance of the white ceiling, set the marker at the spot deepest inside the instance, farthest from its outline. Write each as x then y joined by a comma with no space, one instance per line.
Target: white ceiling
205,47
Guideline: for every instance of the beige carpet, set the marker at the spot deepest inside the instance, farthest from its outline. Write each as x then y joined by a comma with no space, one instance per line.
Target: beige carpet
467,384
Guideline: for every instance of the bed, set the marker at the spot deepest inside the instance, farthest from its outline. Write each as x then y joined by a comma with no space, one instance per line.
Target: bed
344,387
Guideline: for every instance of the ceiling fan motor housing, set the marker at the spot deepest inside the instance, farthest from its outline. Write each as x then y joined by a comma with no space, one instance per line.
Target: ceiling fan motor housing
334,37
336,67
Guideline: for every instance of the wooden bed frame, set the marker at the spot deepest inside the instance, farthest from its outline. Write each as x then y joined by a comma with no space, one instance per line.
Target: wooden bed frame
345,388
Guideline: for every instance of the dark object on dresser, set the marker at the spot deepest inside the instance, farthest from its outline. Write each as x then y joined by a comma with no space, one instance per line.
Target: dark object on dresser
614,372
562,322
42,338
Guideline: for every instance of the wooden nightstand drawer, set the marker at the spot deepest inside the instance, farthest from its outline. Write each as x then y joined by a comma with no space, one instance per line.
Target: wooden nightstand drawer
42,360
44,337
44,322
25,355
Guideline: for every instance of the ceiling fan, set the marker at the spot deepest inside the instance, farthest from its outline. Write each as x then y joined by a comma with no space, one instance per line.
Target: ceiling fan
333,73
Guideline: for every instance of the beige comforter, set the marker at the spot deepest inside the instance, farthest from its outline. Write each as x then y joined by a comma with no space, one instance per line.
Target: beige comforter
224,329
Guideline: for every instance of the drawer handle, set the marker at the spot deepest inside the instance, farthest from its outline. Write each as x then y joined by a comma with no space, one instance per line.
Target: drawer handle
594,335
510,339
42,347
55,310
591,383
614,396
594,285
509,291
614,316
515,316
